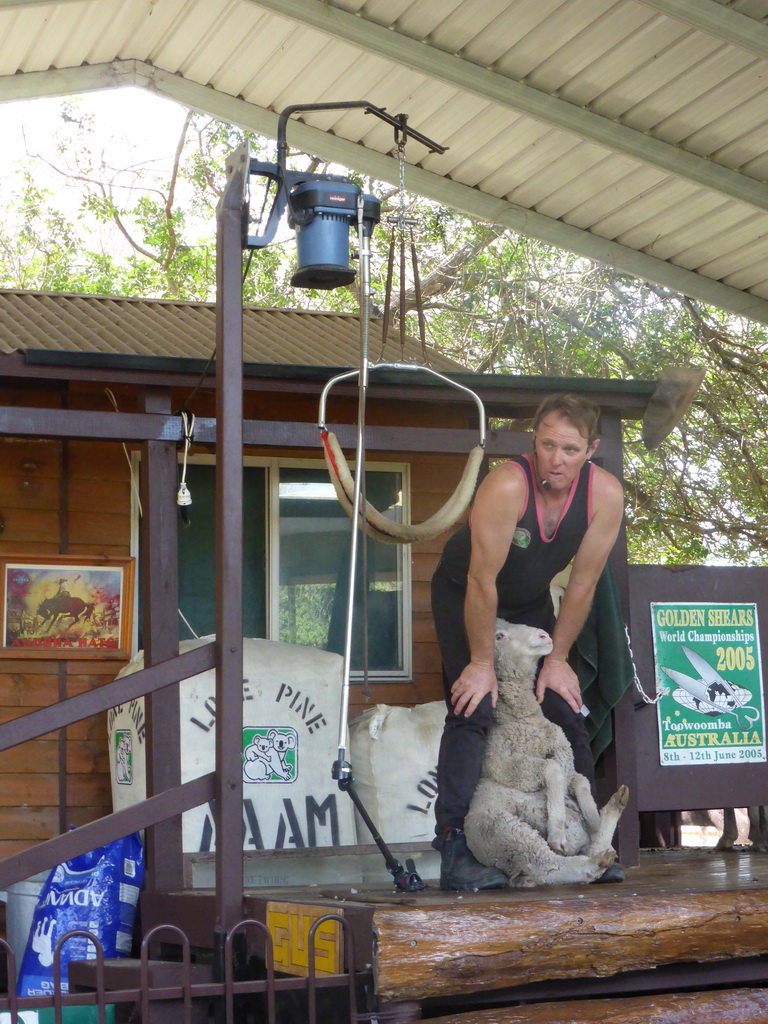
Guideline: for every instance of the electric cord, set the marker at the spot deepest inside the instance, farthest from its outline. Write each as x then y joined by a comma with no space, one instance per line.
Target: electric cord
134,482
183,496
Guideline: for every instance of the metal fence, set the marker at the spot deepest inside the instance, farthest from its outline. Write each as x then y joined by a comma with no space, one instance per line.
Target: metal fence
238,986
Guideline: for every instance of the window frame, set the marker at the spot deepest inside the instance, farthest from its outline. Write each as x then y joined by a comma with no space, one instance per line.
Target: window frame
272,466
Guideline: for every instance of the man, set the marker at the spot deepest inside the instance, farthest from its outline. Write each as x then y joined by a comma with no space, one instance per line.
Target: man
531,517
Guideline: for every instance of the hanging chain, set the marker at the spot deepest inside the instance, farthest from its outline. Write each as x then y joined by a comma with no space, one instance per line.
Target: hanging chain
401,136
400,222
662,690
401,219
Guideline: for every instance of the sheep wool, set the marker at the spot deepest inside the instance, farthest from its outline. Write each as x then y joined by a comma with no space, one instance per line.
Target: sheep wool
533,816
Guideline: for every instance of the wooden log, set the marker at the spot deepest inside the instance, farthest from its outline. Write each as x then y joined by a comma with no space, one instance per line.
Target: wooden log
734,1006
473,945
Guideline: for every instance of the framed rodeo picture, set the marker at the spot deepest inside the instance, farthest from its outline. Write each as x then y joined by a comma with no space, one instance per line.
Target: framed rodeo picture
66,606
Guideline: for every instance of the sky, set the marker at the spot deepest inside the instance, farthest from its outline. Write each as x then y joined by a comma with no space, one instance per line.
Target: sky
140,122
132,126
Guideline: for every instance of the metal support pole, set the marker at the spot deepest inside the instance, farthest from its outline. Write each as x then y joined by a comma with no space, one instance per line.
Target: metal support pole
229,542
341,770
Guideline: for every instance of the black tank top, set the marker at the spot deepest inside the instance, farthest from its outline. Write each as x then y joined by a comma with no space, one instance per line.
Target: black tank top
533,560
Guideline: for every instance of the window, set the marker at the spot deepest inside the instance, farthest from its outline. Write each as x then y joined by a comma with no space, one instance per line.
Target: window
313,576
296,553
197,567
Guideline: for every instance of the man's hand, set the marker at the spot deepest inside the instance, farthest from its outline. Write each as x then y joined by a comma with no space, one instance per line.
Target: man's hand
558,675
471,686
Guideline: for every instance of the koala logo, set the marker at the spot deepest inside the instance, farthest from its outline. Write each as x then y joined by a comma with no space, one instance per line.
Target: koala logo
270,754
124,757
282,742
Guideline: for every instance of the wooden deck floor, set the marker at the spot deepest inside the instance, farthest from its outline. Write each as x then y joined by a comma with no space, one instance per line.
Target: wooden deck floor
692,919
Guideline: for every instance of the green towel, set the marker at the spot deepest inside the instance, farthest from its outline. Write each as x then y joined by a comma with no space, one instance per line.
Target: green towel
603,662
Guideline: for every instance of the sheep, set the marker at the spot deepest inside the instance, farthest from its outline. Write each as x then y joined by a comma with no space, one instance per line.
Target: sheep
546,828
738,826
758,828
757,816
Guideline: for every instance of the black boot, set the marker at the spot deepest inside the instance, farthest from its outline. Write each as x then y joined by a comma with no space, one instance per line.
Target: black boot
459,869
613,873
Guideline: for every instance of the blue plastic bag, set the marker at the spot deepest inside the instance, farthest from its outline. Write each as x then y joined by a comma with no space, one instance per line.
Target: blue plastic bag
97,892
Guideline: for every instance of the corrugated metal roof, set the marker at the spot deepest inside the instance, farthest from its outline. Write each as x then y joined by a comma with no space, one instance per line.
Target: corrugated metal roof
631,131
187,330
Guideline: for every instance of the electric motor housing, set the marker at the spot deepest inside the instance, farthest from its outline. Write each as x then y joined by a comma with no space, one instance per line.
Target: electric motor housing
322,211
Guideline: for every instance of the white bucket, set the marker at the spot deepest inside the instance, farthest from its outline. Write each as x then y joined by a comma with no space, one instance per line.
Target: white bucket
20,909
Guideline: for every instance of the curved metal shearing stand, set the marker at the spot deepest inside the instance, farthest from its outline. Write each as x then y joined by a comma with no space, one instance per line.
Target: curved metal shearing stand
349,374
376,524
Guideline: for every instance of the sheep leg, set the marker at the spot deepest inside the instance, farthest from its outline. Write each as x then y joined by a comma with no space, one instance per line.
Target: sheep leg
609,819
582,794
758,833
505,841
730,830
554,782
544,867
580,867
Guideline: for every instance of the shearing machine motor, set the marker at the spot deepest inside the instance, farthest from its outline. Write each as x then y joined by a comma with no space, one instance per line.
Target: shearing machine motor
321,209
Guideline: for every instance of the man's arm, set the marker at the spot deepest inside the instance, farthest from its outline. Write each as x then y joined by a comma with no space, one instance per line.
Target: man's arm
556,674
495,515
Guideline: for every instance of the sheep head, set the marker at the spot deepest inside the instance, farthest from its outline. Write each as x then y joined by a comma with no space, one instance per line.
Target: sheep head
516,653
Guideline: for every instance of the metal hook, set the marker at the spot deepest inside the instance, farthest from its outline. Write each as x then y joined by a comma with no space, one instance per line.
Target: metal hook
401,132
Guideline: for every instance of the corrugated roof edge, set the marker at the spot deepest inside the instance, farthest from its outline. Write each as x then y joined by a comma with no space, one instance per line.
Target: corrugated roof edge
490,381
255,318
207,304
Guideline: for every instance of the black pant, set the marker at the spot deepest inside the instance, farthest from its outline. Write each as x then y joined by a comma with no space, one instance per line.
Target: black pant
462,746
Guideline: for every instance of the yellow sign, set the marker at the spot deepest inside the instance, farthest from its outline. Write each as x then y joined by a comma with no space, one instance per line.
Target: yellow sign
289,925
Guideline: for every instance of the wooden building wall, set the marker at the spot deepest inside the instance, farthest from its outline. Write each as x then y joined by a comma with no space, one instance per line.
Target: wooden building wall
67,498
74,498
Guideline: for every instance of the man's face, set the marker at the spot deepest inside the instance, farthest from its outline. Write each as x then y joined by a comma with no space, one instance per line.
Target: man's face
561,451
